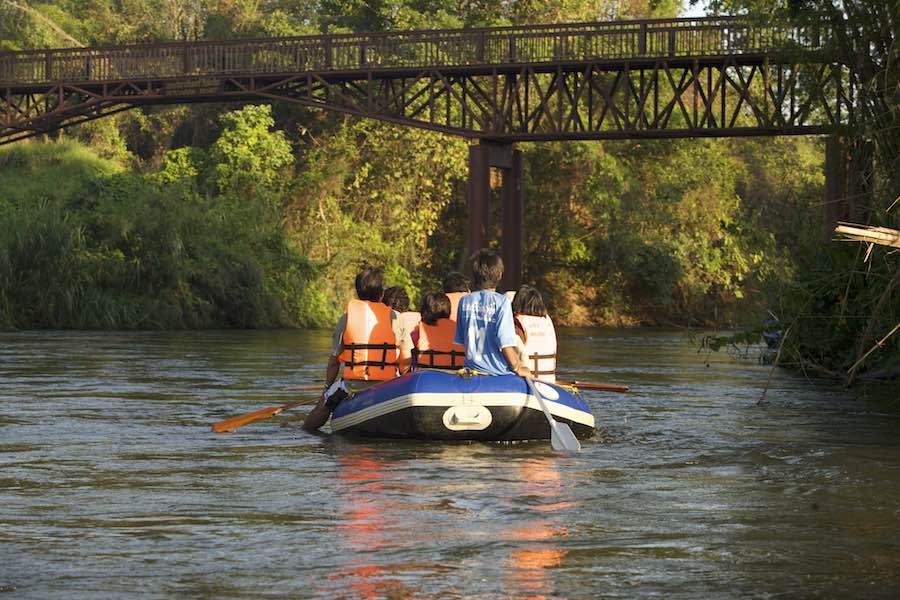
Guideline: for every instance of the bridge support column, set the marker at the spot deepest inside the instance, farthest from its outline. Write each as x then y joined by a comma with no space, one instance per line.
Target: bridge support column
849,164
513,223
835,207
483,157
479,196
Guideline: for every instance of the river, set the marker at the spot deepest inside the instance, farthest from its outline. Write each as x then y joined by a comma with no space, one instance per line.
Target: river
113,486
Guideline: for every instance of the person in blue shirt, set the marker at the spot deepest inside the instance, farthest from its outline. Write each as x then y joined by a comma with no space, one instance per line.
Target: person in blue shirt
484,321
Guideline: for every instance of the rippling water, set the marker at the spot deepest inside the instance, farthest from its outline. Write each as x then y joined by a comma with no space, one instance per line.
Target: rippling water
112,485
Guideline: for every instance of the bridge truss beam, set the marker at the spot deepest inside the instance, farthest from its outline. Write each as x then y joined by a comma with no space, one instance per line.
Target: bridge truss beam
660,98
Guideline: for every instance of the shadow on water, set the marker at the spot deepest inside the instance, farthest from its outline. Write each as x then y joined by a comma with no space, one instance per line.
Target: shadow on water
112,485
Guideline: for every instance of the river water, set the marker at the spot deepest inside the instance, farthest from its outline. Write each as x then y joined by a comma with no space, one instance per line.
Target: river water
113,486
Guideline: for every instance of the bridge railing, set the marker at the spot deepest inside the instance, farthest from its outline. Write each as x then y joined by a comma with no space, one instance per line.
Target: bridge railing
416,49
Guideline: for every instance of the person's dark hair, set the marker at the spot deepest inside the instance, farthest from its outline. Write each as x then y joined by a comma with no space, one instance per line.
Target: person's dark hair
435,305
528,301
455,282
487,269
397,298
370,283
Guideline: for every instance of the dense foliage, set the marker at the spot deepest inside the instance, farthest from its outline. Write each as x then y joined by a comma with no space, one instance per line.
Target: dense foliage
85,242
841,314
216,215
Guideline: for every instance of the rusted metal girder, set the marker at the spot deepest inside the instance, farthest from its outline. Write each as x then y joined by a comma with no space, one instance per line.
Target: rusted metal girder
659,99
650,79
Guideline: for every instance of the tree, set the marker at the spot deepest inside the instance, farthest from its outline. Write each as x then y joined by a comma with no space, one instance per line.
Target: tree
250,157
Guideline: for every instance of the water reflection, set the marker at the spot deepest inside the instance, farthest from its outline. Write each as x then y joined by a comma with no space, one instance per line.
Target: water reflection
368,520
537,551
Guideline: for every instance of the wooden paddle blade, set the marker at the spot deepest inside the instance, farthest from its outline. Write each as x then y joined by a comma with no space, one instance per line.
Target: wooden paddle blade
257,415
245,419
563,439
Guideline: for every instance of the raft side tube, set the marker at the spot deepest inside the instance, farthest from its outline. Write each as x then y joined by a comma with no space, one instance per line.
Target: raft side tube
446,406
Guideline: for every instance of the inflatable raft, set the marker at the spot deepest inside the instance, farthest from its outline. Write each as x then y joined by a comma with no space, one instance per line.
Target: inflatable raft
438,405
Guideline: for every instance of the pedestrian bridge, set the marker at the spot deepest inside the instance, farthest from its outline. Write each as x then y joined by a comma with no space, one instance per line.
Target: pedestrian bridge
631,79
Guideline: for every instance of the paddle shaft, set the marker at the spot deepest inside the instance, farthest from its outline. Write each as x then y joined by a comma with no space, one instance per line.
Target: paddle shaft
306,387
257,415
603,387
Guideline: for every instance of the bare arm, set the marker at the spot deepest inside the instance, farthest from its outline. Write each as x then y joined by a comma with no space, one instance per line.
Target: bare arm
405,363
331,371
318,416
512,357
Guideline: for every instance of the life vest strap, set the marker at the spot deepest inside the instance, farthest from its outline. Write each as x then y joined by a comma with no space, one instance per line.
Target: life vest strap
539,357
371,363
453,354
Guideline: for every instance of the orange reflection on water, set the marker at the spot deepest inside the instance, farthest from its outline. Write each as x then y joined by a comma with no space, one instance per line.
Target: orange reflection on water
553,507
530,564
366,523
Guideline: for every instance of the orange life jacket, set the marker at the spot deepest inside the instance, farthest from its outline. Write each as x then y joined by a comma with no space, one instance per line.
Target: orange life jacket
436,349
455,297
540,346
370,347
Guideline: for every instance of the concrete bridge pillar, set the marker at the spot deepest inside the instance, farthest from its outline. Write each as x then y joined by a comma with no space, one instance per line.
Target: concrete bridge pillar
482,158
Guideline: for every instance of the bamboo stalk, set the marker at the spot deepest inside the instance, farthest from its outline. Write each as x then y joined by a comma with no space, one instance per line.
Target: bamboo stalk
882,236
877,345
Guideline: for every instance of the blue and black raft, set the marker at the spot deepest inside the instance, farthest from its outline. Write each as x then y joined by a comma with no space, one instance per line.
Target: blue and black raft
441,405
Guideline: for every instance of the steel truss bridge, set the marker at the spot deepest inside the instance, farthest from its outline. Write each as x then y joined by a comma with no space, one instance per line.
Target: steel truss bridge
655,78
633,79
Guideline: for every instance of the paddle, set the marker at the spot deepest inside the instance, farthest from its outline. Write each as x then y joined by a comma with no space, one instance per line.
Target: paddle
306,387
604,387
562,438
257,415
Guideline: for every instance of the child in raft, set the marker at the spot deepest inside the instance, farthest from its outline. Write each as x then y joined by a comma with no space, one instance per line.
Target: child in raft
536,333
397,298
369,345
433,337
484,321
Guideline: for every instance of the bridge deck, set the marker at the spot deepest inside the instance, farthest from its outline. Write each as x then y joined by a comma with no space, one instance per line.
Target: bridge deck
533,45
